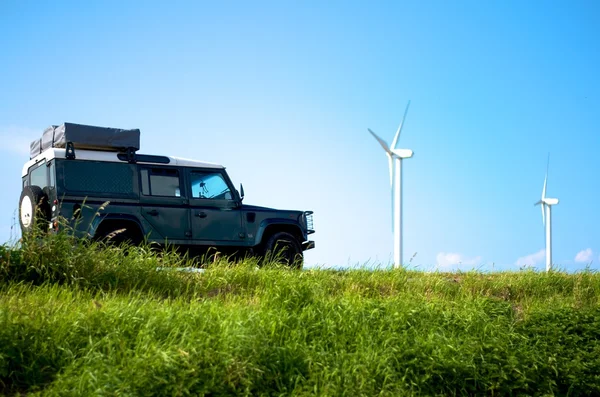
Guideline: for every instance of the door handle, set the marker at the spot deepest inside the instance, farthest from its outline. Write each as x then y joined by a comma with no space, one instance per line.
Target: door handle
201,214
152,212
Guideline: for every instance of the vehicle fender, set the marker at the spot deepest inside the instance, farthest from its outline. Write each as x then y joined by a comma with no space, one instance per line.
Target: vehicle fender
286,223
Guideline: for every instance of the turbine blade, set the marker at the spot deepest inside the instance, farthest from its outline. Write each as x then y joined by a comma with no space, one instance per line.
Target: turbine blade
544,189
544,214
381,142
397,136
543,210
391,166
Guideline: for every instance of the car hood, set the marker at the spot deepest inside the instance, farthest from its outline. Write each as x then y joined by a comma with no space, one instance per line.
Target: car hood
256,208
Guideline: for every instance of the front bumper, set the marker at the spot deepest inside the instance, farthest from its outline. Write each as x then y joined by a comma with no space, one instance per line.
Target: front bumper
308,245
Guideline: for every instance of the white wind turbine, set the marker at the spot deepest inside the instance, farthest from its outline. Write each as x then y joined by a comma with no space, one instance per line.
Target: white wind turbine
395,157
547,204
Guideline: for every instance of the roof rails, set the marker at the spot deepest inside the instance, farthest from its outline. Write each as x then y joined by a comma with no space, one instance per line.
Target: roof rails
132,157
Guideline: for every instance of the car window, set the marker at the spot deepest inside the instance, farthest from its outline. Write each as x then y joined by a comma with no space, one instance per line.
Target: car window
160,182
209,185
98,178
38,176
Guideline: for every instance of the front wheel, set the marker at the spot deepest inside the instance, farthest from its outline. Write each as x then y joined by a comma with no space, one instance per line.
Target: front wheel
284,248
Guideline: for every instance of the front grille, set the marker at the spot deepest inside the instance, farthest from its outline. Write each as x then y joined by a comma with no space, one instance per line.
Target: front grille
309,222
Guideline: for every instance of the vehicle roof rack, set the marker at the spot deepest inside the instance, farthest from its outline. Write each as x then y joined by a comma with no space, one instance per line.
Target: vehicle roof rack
143,158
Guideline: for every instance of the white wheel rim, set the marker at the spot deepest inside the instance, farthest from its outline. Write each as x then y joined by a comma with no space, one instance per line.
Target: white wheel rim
26,211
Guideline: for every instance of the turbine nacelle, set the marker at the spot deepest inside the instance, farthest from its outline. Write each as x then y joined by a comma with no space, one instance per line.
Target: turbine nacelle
390,151
548,201
403,153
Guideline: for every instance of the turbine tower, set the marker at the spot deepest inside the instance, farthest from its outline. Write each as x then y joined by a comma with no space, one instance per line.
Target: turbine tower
395,157
547,204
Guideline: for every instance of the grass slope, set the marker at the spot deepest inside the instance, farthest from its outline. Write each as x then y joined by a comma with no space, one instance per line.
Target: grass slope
80,320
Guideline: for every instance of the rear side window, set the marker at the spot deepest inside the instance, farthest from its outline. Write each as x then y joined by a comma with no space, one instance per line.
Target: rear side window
162,182
99,178
38,176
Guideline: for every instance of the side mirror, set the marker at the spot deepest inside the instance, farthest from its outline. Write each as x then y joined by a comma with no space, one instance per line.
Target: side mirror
241,191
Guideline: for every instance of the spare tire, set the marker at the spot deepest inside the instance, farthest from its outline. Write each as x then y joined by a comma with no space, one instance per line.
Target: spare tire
34,209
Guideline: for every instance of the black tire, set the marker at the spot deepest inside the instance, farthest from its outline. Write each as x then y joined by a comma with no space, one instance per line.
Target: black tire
122,238
283,247
34,209
118,235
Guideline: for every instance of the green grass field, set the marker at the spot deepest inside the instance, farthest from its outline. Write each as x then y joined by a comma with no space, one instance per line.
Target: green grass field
80,320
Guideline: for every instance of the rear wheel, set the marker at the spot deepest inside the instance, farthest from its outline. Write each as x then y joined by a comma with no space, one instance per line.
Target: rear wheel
284,248
34,209
118,233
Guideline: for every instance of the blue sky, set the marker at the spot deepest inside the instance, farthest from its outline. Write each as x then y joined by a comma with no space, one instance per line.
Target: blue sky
282,94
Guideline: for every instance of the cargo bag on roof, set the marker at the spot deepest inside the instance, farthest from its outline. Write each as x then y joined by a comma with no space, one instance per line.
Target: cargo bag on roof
35,148
90,138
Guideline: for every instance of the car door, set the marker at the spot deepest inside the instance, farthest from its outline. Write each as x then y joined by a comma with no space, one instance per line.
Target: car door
215,214
163,204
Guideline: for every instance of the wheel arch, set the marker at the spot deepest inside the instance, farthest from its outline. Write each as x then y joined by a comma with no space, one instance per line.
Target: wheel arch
110,222
269,228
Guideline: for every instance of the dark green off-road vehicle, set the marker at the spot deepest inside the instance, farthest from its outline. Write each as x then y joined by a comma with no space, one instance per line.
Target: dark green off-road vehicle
93,178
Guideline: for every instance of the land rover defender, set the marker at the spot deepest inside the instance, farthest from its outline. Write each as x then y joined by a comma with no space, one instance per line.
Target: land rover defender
94,179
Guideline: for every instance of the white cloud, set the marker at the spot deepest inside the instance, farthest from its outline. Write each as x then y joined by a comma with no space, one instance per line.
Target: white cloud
17,139
532,259
584,256
448,260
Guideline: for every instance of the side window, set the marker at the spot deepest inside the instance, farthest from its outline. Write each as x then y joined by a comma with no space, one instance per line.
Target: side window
209,185
97,178
38,176
145,183
160,182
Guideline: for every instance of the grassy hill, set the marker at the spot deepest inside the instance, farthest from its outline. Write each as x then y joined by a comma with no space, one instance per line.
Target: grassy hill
80,320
